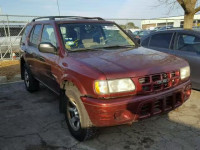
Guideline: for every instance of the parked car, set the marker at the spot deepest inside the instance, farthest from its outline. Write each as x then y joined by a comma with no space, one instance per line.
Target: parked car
140,34
157,28
165,28
182,43
103,79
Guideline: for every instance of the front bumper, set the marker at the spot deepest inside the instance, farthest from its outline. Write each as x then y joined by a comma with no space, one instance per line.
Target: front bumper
126,110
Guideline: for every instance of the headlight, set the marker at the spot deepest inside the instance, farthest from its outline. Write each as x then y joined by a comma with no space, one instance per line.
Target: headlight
114,86
185,72
101,87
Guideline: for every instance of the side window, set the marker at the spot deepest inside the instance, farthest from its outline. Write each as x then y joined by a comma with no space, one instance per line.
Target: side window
48,35
26,32
187,42
145,42
161,40
35,34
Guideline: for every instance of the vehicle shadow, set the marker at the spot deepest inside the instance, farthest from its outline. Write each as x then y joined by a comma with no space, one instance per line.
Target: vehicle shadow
156,133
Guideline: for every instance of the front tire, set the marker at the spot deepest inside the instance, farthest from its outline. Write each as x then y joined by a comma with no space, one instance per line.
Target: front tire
76,115
30,82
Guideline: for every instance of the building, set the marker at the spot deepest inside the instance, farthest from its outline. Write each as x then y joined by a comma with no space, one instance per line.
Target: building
176,21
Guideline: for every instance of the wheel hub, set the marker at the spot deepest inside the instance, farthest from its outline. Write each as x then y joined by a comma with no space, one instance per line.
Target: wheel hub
26,78
73,116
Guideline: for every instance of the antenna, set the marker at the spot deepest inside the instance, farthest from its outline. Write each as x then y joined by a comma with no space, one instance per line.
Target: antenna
58,8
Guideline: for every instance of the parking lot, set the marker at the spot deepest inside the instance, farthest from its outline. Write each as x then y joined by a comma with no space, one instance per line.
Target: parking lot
31,121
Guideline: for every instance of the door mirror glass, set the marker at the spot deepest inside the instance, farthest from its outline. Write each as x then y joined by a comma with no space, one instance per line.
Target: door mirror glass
46,47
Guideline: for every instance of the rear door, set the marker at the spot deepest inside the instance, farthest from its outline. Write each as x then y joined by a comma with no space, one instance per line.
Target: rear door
187,46
23,42
162,42
31,52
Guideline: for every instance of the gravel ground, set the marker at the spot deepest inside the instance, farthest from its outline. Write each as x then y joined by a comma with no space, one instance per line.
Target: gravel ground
31,121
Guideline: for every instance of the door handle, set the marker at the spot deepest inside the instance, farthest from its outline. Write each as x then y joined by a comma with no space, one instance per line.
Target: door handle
41,59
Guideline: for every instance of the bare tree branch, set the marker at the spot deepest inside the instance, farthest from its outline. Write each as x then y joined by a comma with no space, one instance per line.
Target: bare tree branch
190,7
197,9
182,3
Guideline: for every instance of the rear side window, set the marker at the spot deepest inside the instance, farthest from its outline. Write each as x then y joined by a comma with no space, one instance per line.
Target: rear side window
145,42
26,32
161,40
186,42
35,34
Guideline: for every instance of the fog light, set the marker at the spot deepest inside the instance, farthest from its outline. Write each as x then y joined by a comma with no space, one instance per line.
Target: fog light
122,115
187,92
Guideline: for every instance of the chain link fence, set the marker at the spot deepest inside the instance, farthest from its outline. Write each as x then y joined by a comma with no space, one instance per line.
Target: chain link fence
12,26
11,29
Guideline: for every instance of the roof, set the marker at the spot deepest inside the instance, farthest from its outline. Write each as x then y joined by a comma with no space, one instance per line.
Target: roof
69,19
196,32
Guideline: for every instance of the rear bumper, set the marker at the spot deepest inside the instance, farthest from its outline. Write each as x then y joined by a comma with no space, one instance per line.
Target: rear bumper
129,109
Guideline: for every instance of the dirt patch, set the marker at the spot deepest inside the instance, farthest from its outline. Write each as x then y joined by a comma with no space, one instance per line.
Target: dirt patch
9,68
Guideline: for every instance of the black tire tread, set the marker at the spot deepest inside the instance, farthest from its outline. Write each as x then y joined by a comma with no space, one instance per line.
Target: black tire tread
33,83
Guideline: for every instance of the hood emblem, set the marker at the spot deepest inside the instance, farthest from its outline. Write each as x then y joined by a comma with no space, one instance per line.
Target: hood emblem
162,81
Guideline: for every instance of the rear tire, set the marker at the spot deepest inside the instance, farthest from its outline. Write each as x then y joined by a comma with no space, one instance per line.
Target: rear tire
76,115
30,82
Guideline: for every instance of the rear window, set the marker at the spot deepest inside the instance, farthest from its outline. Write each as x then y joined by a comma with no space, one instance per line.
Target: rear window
161,40
190,43
35,34
26,32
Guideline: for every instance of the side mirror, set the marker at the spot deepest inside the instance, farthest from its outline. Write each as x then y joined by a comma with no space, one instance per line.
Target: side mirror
46,47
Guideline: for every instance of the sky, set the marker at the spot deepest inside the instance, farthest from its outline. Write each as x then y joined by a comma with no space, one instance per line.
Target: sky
108,9
102,8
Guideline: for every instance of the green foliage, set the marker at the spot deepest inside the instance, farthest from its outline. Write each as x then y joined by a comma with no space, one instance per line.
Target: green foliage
129,25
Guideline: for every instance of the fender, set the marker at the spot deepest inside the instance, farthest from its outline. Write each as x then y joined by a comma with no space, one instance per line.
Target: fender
69,78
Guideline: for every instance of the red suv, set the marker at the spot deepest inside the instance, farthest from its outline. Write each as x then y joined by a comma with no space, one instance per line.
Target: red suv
103,78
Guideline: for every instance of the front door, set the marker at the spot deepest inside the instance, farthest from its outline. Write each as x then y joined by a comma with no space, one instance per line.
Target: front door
47,61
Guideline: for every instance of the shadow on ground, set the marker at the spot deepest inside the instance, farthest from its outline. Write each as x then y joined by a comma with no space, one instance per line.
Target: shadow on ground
31,121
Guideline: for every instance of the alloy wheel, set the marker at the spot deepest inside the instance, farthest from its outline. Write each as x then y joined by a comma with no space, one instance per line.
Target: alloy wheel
26,78
73,116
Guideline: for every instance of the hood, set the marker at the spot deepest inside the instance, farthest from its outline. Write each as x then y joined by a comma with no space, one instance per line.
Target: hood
129,63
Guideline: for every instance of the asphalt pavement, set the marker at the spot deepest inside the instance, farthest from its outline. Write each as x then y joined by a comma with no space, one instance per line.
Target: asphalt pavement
31,121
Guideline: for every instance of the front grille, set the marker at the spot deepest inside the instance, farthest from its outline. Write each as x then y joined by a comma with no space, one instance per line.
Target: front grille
159,82
160,105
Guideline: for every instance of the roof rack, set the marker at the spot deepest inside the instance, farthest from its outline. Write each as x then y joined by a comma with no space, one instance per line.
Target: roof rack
66,17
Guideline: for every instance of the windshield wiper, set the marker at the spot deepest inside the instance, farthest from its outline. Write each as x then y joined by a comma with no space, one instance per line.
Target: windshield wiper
83,50
117,46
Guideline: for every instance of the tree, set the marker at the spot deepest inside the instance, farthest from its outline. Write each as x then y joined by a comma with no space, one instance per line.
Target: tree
122,26
190,7
131,25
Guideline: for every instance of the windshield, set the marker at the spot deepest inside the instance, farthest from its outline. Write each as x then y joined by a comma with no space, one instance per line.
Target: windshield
86,36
